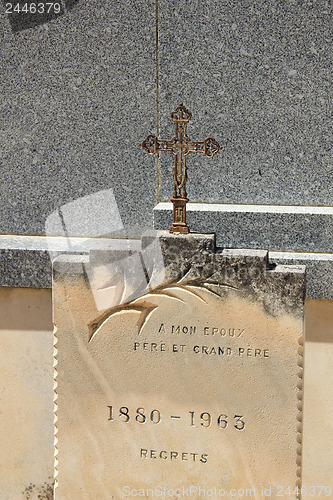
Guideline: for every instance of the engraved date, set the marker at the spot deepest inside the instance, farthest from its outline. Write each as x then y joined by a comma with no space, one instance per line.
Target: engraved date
193,419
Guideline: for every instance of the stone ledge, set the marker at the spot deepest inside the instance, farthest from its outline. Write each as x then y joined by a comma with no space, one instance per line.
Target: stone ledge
25,262
275,227
319,271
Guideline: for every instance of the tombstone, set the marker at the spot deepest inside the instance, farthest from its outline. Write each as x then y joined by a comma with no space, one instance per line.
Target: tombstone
178,370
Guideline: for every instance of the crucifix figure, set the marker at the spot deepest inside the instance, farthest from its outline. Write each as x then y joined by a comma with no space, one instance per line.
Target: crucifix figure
180,146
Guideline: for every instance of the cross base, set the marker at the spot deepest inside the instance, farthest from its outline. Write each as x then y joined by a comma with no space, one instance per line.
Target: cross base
179,216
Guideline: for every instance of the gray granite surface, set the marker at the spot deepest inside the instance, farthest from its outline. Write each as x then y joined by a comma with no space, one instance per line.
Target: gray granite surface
319,271
77,97
25,268
27,263
256,75
309,230
81,90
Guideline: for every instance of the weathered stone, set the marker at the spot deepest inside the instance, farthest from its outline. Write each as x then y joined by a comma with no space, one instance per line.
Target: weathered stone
26,399
196,382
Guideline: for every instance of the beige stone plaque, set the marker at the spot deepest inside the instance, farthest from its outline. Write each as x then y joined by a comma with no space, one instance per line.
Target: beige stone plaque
192,389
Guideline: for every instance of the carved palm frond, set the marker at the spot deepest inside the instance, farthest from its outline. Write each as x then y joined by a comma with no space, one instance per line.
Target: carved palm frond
146,308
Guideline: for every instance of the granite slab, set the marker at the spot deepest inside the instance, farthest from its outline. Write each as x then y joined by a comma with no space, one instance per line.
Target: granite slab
255,76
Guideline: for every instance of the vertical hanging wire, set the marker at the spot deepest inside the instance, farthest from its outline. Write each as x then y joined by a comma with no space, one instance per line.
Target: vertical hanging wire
157,83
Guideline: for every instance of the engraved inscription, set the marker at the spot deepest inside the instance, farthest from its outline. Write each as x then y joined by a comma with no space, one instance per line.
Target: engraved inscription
191,418
181,385
243,352
226,331
174,455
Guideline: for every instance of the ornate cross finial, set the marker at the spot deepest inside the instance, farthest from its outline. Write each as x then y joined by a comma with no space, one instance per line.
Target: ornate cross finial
180,146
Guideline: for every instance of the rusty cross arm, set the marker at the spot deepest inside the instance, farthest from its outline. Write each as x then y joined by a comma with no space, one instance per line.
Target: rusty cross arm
180,146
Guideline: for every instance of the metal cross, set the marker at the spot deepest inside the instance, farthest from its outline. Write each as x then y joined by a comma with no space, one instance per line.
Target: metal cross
180,146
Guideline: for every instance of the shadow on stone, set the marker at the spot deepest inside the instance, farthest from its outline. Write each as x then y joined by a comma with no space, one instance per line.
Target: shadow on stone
24,14
70,4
